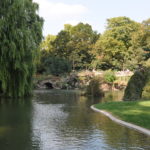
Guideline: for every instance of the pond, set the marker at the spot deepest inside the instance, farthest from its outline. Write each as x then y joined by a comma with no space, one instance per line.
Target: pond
63,120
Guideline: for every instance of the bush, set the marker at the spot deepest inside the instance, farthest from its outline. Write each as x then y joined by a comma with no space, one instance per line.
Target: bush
53,65
109,76
94,88
59,66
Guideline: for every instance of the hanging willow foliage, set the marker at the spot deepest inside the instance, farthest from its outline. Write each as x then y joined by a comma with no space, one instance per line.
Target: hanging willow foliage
20,35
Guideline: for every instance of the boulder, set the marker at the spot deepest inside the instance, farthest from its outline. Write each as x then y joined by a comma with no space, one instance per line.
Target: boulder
135,85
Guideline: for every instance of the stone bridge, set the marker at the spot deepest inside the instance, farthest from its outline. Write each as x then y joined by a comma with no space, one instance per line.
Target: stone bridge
45,84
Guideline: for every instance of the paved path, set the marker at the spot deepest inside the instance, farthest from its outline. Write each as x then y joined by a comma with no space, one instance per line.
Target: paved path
129,125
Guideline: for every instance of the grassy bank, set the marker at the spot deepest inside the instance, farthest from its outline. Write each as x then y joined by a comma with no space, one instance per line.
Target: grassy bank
136,112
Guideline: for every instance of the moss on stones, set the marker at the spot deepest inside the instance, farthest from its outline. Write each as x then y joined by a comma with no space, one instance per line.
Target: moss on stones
136,84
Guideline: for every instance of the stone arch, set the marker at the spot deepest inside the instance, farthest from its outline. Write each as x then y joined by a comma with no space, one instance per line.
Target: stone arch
48,85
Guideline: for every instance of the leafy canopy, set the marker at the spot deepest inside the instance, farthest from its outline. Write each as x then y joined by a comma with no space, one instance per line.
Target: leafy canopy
113,46
21,33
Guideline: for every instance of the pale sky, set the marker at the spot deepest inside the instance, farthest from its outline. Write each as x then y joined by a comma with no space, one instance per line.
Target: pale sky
56,13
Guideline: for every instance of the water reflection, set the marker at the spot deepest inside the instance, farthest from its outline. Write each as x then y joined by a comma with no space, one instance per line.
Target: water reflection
71,125
63,120
15,124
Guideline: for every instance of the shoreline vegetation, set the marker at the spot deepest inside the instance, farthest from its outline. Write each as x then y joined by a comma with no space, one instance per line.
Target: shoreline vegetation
135,112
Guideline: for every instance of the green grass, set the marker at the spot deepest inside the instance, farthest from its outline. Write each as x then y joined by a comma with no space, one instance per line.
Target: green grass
136,112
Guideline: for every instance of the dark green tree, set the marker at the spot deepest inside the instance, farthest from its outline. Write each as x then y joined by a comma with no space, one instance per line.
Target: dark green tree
75,43
20,35
57,66
51,64
60,44
82,41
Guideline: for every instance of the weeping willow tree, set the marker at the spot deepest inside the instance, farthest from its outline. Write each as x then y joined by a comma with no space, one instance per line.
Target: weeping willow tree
20,35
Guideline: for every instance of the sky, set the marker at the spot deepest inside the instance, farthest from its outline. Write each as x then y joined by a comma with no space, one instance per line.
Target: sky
56,13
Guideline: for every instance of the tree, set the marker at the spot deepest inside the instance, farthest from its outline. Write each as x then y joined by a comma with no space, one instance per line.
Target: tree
146,38
82,41
20,35
46,50
75,43
140,45
113,46
56,65
46,44
51,60
51,64
60,44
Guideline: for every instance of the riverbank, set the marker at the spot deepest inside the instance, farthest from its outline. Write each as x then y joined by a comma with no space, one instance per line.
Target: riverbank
136,112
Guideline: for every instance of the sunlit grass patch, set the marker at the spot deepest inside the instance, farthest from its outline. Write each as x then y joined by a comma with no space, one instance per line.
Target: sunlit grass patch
137,112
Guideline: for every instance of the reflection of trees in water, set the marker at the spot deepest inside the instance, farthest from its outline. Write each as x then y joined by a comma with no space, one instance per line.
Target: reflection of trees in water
69,121
15,115
113,96
63,120
118,136
81,120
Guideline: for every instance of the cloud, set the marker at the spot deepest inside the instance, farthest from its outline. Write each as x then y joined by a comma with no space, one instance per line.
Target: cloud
72,22
56,14
51,9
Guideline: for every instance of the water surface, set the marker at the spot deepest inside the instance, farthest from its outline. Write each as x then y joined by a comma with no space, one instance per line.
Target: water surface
63,120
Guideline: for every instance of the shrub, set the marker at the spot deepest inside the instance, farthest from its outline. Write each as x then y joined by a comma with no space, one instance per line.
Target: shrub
109,76
54,65
59,66
94,88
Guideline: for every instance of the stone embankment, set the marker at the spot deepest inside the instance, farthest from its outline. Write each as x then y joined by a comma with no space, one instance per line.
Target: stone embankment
129,125
79,81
